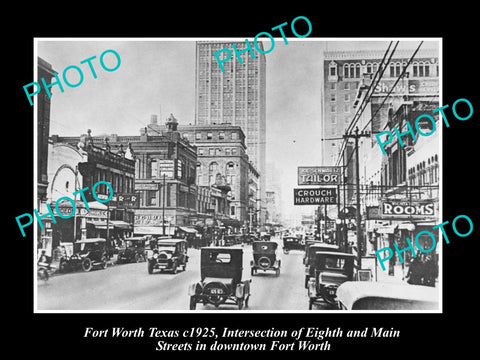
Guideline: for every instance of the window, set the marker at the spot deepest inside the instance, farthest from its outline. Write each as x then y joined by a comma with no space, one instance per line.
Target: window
234,151
218,151
234,136
346,71
333,108
186,136
209,136
347,97
151,197
346,86
154,169
333,97
369,68
198,136
201,151
357,71
334,120
347,108
221,135
333,71
211,151
227,151
180,169
333,86
232,210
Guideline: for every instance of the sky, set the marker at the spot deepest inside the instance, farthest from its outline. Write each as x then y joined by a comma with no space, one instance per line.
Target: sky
158,77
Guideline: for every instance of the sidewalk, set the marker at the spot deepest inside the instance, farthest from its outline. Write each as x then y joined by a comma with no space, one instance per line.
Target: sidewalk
398,277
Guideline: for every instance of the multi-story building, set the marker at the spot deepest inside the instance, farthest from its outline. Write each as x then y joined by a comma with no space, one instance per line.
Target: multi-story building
343,72
165,173
235,96
46,72
77,163
405,177
222,162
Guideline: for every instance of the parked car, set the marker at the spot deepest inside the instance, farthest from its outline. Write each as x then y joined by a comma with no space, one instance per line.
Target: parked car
331,270
264,257
292,243
133,250
167,254
360,295
220,278
88,253
309,257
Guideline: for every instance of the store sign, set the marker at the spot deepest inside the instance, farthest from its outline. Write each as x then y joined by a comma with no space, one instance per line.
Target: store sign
90,213
402,209
127,201
146,186
315,196
167,168
151,220
319,175
411,86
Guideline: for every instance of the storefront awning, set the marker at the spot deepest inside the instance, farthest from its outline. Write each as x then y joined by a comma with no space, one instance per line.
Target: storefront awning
100,225
387,229
406,226
187,230
121,224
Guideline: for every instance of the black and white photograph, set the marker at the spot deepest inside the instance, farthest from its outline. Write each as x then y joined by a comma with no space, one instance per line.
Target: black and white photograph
269,174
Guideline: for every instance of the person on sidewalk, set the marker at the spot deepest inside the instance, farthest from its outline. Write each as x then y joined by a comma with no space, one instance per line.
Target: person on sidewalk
416,270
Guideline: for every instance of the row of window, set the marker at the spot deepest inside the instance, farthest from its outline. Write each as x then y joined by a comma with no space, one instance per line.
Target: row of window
346,85
217,151
424,173
333,97
355,70
221,135
120,183
346,108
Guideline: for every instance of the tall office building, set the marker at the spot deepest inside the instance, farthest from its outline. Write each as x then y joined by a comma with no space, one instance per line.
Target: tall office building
343,72
235,96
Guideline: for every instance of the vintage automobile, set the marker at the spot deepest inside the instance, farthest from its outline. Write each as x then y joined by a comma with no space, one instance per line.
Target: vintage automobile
361,295
221,278
133,250
292,242
232,239
331,269
88,253
265,257
309,256
167,254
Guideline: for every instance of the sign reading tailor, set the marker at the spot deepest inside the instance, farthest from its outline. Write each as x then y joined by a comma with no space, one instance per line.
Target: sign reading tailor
319,175
73,80
420,233
423,119
315,196
221,59
60,213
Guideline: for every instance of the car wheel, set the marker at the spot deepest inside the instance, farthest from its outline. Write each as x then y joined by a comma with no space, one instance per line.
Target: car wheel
138,258
252,271
87,264
174,268
246,301
150,267
240,303
184,267
104,263
193,302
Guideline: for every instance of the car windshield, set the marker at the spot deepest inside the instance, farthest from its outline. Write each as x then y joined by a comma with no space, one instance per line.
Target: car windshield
335,263
131,243
166,248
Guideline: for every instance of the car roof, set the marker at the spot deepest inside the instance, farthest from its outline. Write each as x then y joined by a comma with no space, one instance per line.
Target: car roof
323,245
91,240
222,248
339,254
136,238
170,241
351,291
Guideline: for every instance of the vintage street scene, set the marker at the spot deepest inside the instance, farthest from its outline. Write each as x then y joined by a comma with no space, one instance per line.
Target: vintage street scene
199,175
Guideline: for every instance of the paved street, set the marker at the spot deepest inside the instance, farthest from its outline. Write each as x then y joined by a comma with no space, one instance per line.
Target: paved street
130,287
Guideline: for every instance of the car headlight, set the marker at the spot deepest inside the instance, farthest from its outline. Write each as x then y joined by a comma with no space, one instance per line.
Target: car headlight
155,256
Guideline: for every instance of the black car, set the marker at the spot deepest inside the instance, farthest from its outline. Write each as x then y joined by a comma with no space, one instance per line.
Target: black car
89,254
221,278
309,258
265,257
167,255
331,270
133,250
292,243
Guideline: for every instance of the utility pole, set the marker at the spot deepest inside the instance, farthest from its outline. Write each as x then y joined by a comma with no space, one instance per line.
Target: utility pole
356,136
163,205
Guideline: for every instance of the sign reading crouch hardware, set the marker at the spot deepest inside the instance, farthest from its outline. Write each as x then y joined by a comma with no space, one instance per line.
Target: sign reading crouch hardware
319,175
315,196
